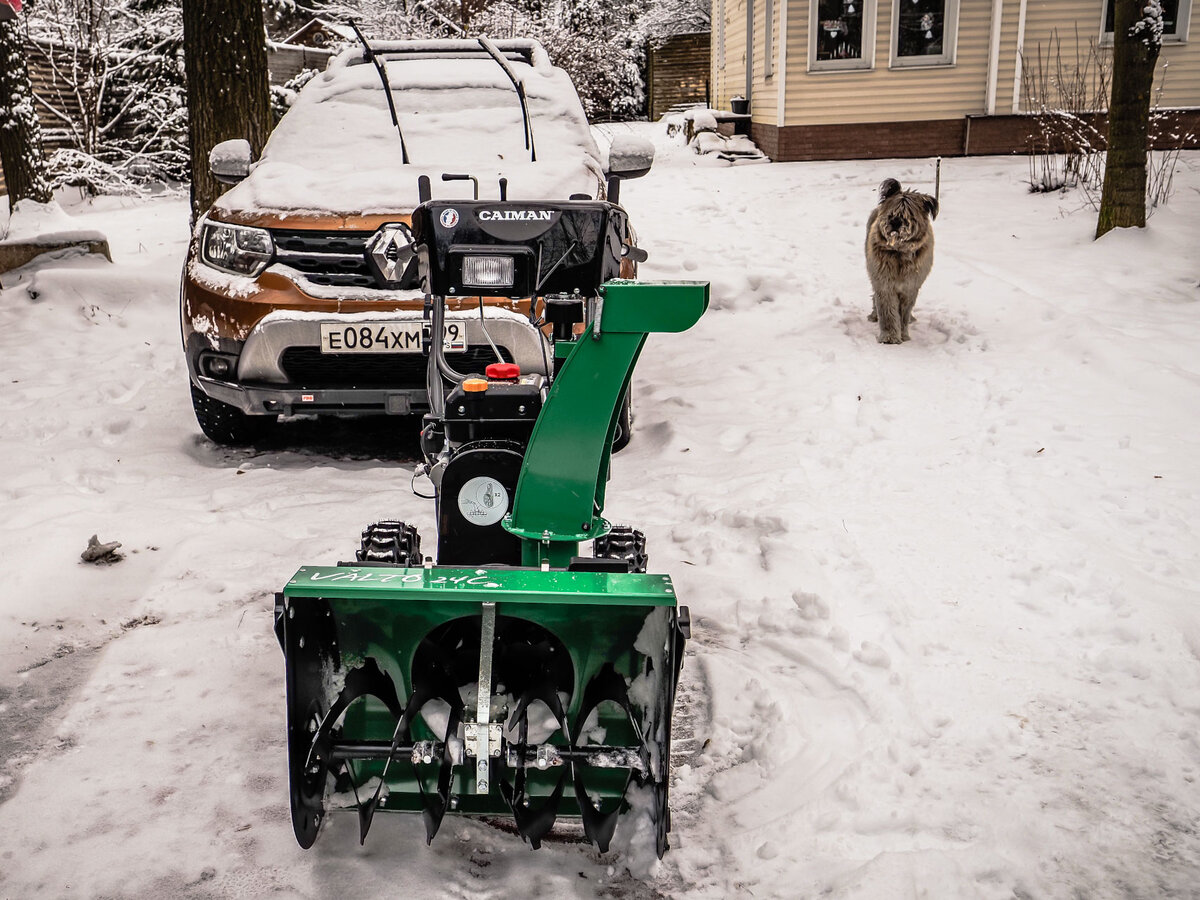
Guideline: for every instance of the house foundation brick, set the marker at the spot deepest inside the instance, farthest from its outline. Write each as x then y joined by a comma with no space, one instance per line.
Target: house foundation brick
969,136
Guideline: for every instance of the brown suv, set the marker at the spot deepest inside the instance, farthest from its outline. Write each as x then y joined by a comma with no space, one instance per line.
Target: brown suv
300,293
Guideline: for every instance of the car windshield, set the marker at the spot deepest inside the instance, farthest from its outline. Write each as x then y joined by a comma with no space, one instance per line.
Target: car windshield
337,150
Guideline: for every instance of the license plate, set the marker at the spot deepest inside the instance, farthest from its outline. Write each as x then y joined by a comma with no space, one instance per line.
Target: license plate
385,337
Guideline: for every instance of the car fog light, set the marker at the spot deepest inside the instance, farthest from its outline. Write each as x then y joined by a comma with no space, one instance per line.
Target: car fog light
487,271
218,366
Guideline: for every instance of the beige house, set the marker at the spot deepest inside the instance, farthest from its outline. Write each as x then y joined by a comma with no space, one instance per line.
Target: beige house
844,79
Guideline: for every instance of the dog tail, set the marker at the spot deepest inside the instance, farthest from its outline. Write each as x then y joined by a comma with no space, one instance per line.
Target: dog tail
889,187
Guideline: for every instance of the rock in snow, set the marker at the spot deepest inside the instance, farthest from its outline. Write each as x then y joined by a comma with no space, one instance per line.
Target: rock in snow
96,552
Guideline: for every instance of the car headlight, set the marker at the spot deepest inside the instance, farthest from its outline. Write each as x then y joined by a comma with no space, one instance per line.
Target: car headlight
236,248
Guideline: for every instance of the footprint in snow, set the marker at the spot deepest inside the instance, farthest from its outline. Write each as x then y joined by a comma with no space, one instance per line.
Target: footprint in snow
873,655
733,440
655,434
810,605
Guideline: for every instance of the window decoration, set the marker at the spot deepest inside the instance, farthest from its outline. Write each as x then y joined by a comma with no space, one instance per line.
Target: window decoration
924,32
841,34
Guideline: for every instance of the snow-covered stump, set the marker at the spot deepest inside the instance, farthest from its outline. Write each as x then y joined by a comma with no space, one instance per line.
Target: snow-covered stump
39,228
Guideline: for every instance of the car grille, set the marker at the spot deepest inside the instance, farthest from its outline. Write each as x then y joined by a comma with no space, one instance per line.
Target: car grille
309,367
326,257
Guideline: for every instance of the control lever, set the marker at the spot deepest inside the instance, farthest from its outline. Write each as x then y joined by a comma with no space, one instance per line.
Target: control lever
637,254
471,178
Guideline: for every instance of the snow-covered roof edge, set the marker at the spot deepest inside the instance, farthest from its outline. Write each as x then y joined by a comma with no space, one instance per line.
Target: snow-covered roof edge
317,51
343,31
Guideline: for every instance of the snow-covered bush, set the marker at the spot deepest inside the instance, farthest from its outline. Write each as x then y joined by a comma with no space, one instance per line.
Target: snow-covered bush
1068,150
600,44
283,96
121,66
663,19
607,73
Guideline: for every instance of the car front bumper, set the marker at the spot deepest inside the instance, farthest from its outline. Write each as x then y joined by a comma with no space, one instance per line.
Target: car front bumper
263,386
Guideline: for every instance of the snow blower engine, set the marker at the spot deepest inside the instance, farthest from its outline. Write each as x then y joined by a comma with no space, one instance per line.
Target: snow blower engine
513,676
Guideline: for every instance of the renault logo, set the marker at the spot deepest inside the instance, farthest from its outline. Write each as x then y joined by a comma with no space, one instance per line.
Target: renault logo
390,254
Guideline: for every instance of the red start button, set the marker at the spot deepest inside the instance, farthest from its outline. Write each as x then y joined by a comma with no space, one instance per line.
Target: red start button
503,371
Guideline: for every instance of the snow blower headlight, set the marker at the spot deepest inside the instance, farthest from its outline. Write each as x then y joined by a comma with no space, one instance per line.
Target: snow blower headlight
235,248
488,271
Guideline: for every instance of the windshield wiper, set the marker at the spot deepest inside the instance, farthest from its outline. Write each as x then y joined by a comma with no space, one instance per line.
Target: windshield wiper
370,56
495,53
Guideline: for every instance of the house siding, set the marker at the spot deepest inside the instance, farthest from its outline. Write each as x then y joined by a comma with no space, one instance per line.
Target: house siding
899,105
729,80
1067,29
883,94
1061,33
1181,84
765,93
967,136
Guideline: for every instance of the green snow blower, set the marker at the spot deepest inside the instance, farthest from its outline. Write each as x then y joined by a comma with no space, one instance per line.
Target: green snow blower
513,676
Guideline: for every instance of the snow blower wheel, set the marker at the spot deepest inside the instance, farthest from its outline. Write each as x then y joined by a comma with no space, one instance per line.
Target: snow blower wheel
623,542
394,543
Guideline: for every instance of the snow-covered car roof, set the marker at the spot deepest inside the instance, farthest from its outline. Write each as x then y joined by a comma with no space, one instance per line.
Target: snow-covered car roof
336,151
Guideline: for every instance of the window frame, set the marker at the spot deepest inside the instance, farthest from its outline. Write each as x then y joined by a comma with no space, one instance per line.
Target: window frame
863,63
949,53
1183,18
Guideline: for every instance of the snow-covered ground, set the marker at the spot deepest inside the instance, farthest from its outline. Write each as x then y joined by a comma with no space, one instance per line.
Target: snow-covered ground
946,595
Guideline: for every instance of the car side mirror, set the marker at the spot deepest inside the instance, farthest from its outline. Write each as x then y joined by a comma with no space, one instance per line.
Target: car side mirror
229,161
630,156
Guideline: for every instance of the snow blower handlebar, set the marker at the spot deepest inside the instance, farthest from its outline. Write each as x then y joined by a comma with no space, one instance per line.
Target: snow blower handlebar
571,250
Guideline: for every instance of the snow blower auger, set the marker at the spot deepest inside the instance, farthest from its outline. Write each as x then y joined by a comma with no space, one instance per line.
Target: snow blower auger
514,676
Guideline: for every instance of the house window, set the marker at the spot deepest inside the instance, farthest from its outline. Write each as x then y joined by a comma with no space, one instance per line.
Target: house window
841,34
1175,19
924,32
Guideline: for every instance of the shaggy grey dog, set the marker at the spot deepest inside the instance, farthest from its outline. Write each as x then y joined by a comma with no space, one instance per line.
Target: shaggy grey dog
899,256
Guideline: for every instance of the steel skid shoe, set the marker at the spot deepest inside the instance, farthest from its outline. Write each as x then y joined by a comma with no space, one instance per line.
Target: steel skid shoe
513,676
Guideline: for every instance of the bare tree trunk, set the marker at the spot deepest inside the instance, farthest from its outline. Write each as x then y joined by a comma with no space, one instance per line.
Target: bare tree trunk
1135,54
20,132
225,60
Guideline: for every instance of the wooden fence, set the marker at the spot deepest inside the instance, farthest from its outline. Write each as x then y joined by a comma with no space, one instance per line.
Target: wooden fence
677,73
